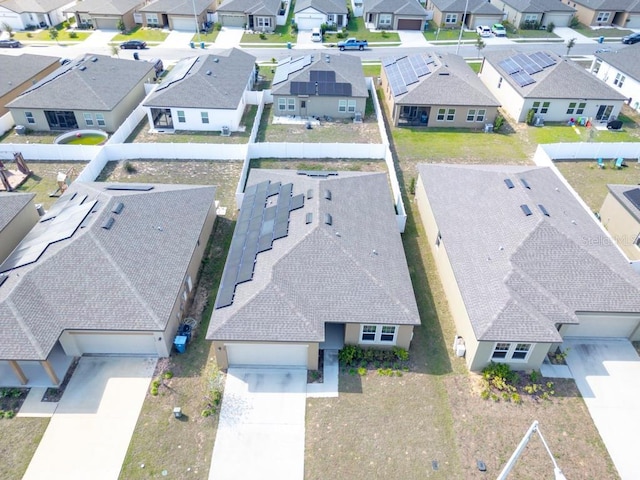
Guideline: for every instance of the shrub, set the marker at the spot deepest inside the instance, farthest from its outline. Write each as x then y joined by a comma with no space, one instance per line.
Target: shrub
412,186
534,376
574,22
29,35
129,167
350,354
499,370
498,123
167,375
218,26
530,115
400,353
263,36
9,414
387,372
73,35
551,27
207,412
65,24
362,371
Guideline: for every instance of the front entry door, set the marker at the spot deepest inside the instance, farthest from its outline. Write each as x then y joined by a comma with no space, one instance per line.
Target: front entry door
604,112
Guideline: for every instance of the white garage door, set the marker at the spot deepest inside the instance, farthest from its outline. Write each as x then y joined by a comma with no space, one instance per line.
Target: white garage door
183,24
634,21
232,20
307,22
599,327
558,19
116,343
245,354
106,23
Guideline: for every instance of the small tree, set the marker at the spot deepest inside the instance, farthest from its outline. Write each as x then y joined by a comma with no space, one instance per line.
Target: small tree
121,26
570,44
479,44
53,34
8,28
551,27
115,51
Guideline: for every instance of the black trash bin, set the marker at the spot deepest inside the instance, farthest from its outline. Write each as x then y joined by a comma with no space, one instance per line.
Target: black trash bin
136,56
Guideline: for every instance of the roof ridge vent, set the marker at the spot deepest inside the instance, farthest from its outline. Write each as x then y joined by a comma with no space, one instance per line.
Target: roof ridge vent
117,208
328,219
208,72
82,68
108,223
526,210
327,194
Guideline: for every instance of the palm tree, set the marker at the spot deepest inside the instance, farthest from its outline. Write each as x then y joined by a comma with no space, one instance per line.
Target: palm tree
570,44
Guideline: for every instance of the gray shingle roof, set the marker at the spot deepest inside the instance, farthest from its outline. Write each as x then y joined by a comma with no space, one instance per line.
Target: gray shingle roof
33,6
11,204
451,82
520,275
223,88
178,7
324,6
251,7
348,69
565,79
101,86
21,68
539,6
475,6
106,7
353,271
126,278
627,60
607,5
618,192
403,7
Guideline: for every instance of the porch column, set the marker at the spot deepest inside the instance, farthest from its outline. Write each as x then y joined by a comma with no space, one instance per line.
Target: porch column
49,369
18,371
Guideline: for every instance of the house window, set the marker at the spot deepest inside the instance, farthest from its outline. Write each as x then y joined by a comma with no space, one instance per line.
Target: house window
152,19
619,81
531,18
474,115
441,114
88,119
181,116
451,18
205,117
29,117
603,17
482,113
303,104
351,106
330,18
291,103
385,334
500,82
581,107
511,351
545,107
501,350
264,22
535,107
282,104
100,120
521,351
451,115
342,105
471,115
384,19
572,108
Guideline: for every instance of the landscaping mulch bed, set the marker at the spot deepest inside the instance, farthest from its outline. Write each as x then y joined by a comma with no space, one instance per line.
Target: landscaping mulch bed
54,394
11,399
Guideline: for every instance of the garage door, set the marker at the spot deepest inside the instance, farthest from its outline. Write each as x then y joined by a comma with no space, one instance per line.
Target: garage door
106,23
232,20
307,22
634,21
115,344
484,20
240,354
406,24
599,327
558,19
183,24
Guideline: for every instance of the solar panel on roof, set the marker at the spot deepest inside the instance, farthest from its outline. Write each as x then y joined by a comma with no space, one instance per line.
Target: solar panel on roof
526,63
388,61
406,70
543,59
289,66
265,242
509,66
273,189
296,202
395,80
322,76
523,78
633,196
419,65
245,273
138,187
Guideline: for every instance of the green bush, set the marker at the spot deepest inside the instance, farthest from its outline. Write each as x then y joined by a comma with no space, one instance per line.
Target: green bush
129,167
400,353
574,22
9,414
362,371
500,371
412,186
498,123
168,375
73,35
263,36
551,27
530,115
350,354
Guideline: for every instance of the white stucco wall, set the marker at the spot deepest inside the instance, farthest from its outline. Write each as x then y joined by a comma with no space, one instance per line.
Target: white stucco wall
630,88
510,100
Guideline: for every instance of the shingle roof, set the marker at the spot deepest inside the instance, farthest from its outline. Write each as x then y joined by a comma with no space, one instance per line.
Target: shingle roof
251,7
324,6
539,6
193,87
627,60
347,68
521,275
11,204
179,7
399,7
353,271
21,68
451,82
33,6
100,86
618,192
608,5
565,79
106,7
125,278
474,6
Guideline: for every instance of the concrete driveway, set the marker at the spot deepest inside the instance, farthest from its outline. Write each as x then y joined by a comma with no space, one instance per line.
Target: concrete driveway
89,433
607,373
261,427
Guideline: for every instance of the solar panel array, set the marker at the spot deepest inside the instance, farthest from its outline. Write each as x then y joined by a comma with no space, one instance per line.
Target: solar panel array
321,83
322,76
404,71
63,226
634,197
288,66
260,222
521,66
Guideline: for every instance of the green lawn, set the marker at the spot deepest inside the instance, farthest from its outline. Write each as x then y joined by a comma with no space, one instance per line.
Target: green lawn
522,33
475,66
356,28
371,70
601,32
432,33
141,33
554,133
20,439
206,37
43,36
282,34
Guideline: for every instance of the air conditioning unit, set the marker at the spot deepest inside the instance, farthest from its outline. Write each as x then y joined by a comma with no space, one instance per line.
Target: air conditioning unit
357,118
225,131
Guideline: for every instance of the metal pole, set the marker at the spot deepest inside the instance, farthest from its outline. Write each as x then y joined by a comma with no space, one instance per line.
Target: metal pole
518,451
464,17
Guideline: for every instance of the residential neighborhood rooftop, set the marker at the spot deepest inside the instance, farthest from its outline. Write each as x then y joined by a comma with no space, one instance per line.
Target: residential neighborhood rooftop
629,197
251,7
33,6
398,7
21,68
105,7
474,6
539,6
177,7
324,6
525,253
627,60
12,203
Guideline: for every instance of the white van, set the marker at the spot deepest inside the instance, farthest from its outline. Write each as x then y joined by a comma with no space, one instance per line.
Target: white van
316,35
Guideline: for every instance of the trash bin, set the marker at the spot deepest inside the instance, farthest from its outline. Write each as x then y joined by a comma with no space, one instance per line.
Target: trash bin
193,45
180,342
136,56
201,44
600,39
289,45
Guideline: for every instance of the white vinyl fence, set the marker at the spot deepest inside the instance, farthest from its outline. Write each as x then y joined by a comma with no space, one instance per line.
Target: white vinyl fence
6,123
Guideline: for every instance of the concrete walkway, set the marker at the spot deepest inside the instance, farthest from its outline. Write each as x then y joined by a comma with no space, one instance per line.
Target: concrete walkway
261,427
229,37
329,386
607,372
90,431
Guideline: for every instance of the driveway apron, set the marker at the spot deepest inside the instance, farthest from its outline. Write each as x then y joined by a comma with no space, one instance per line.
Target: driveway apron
607,373
261,427
89,433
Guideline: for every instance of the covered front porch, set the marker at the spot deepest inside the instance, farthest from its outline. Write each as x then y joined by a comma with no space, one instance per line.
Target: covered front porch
45,373
413,116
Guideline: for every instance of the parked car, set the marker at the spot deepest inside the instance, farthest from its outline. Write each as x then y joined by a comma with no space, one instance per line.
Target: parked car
353,44
498,30
133,45
483,31
316,35
10,44
631,39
